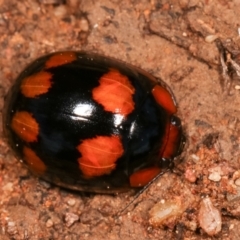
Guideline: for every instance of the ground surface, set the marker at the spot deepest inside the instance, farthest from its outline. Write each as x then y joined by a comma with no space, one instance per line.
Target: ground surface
172,40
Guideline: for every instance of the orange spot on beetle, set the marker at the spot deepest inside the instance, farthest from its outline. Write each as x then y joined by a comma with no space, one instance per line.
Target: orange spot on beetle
59,59
171,142
33,161
164,98
36,84
25,126
115,93
99,155
143,176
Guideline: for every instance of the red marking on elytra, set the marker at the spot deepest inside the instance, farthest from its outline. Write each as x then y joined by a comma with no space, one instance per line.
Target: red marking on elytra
99,155
25,126
61,58
143,176
36,84
115,93
164,98
33,161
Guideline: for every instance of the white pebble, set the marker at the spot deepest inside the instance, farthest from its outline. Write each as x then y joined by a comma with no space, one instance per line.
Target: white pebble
214,176
209,217
165,210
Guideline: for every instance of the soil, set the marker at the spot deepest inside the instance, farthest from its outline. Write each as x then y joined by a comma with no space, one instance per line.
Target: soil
175,40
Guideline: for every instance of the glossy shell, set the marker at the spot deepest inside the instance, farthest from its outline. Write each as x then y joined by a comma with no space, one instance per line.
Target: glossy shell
91,123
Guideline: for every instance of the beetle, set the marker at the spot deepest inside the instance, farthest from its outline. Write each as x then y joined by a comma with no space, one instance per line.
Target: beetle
92,123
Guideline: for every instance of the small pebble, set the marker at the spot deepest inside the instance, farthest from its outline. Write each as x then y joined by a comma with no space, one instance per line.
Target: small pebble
214,176
192,225
234,196
209,217
237,182
8,187
11,228
60,11
211,38
84,25
70,219
231,226
190,175
195,158
71,202
49,223
165,210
